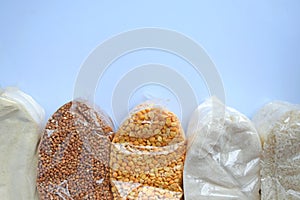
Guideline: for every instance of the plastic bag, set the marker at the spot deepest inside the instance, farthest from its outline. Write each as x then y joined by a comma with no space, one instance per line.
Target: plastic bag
21,119
278,124
147,155
74,154
223,155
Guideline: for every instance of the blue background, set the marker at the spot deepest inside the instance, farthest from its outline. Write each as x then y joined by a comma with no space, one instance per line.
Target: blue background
255,45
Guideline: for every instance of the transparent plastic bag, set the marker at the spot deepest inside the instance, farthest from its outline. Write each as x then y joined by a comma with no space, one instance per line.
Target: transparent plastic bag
278,124
74,154
147,155
21,121
223,155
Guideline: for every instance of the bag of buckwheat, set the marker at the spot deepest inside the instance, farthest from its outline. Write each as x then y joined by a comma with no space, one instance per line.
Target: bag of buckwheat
278,124
147,155
223,156
74,154
21,119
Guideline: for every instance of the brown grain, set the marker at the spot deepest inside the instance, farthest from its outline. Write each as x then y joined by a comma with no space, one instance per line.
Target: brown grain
74,154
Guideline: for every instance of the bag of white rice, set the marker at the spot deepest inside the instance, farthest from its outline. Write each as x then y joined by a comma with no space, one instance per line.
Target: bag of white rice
278,124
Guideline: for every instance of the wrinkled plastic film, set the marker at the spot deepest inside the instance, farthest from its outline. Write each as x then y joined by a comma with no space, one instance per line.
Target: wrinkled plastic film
21,119
74,154
222,160
209,115
269,115
147,155
279,124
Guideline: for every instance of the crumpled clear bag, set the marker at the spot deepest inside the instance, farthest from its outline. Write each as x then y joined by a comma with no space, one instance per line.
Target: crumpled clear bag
74,154
223,155
278,124
147,155
21,121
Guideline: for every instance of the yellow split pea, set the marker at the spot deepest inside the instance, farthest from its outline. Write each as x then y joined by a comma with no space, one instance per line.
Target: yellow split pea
147,156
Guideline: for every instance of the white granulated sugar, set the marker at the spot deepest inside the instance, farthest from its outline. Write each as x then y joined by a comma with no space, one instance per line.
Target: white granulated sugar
223,156
278,124
20,121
